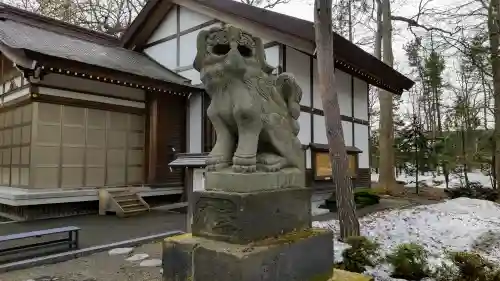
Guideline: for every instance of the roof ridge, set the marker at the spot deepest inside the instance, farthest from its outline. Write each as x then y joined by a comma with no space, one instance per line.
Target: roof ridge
54,25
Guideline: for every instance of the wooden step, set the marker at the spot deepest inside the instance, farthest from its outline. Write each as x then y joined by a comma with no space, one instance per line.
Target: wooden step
134,212
121,193
129,202
124,200
132,205
125,197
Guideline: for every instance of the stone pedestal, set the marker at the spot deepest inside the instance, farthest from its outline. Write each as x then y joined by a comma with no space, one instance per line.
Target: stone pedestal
247,228
247,217
228,181
298,256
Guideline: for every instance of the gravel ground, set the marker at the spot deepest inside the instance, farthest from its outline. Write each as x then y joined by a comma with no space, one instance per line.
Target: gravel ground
97,267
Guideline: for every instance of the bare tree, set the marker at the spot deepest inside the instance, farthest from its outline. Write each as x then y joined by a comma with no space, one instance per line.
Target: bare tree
108,16
349,224
266,4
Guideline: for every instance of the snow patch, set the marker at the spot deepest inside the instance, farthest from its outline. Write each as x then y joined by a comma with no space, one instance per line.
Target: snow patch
453,225
437,181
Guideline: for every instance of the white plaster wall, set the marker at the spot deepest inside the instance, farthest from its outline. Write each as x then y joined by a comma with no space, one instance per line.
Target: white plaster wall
360,99
273,55
86,85
343,82
195,124
166,28
308,159
164,53
316,95
189,19
298,64
305,128
191,74
188,46
347,129
361,134
320,131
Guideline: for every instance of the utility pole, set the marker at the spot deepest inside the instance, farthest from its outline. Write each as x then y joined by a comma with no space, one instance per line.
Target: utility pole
349,224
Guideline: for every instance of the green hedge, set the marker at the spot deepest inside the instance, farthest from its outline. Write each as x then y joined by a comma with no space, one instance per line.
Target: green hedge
363,197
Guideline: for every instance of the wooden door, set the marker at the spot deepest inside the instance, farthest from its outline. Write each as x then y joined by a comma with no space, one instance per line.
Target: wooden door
167,124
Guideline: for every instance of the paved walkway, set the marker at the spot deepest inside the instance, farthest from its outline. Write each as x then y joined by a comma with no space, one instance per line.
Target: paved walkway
98,267
98,230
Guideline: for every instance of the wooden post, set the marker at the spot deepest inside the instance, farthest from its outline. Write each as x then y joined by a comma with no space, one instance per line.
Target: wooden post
349,225
189,198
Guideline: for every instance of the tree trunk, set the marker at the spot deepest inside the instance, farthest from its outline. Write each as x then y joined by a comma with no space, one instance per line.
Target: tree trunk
386,142
349,225
493,28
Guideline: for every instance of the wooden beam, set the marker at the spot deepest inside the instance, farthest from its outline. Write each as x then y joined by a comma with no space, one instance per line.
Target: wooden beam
152,131
249,26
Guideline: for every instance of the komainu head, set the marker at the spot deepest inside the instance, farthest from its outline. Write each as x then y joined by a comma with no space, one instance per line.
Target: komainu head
231,51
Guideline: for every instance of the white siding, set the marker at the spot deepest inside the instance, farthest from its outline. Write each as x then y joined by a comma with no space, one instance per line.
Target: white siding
360,99
273,56
166,28
362,142
191,19
298,64
188,46
317,103
347,128
191,74
308,159
164,53
195,124
305,128
320,131
343,82
86,85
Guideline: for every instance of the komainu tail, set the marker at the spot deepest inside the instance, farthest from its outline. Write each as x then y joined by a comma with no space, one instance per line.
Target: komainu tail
292,94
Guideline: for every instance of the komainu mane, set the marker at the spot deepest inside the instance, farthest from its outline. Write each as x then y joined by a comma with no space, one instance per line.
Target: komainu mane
254,113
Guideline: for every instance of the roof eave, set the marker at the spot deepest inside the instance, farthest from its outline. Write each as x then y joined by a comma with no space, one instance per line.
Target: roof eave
88,71
17,56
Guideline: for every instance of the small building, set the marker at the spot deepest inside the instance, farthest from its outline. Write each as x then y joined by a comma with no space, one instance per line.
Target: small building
81,110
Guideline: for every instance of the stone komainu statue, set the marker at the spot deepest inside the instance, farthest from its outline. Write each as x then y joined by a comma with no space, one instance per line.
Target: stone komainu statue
254,113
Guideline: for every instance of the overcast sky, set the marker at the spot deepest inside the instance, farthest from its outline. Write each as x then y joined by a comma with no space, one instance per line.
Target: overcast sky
408,8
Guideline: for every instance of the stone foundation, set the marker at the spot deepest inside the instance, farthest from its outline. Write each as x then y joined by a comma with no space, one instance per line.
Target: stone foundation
297,256
48,211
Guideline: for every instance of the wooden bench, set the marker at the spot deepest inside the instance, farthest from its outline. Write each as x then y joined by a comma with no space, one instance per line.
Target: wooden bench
71,241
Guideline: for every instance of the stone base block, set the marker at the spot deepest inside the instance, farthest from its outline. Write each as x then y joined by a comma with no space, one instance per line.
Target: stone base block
300,256
229,181
245,217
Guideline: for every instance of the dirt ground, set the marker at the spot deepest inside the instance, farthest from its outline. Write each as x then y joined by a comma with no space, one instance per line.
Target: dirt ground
97,267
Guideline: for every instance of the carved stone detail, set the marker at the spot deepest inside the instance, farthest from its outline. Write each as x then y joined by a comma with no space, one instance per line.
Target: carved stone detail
254,113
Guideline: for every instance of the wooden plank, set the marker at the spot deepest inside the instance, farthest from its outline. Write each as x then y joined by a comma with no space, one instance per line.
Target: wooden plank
38,233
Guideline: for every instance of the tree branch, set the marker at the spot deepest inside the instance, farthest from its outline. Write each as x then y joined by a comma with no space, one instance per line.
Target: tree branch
414,23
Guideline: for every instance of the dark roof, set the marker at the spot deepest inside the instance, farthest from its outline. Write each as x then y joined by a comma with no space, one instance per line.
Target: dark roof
22,16
325,147
382,75
42,36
